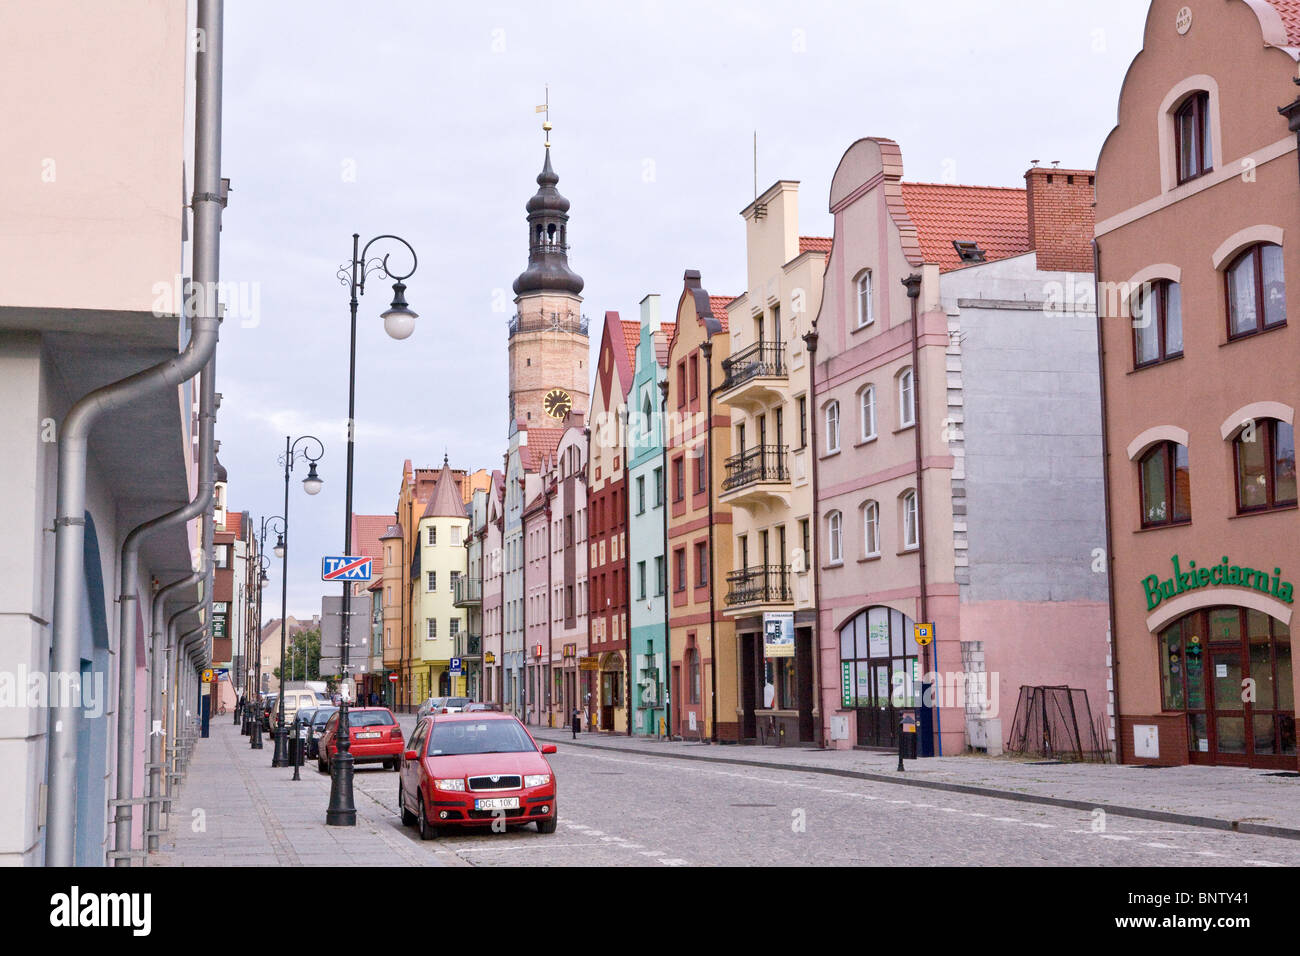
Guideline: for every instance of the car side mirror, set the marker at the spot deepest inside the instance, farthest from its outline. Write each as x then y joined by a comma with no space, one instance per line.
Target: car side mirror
548,748
410,755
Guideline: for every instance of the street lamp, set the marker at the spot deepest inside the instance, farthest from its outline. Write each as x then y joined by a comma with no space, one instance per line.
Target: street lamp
274,523
280,757
399,323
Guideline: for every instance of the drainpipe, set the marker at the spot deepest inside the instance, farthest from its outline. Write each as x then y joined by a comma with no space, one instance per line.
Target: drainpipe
1105,484
158,700
913,284
668,634
550,620
69,524
706,348
627,581
812,560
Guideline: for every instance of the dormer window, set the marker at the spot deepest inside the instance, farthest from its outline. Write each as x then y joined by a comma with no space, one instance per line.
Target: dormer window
1192,137
968,251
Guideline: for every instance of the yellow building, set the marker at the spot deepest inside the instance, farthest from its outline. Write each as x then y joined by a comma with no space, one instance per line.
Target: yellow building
440,559
767,480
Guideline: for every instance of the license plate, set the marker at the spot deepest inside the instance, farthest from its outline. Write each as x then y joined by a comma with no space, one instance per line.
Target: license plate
367,735
497,803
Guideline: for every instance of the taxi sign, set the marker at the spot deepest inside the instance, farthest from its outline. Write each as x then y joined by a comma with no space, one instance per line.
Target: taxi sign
924,633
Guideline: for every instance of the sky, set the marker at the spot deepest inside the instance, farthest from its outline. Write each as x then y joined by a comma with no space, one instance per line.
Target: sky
417,119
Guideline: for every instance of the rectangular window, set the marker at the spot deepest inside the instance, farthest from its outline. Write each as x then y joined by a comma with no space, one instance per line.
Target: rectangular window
659,487
640,580
679,479
701,564
1192,133
906,401
454,627
679,558
865,316
681,383
640,494
433,536
455,537
432,581
909,521
803,421
433,628
700,477
659,575
695,377
805,537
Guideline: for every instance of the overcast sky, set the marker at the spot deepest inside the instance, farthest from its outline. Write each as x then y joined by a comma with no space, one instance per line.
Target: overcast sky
417,118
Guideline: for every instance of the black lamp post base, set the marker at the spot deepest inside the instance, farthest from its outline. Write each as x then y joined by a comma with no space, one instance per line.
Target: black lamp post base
342,810
255,735
280,756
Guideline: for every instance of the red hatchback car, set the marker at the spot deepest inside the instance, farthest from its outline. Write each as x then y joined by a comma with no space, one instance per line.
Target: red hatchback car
374,734
470,769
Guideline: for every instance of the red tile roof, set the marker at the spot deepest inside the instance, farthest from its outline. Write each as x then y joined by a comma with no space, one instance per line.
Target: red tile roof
542,443
995,217
233,522
631,337
447,501
1289,11
814,244
718,303
366,532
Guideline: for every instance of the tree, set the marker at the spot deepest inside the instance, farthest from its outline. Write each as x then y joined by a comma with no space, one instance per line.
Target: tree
302,656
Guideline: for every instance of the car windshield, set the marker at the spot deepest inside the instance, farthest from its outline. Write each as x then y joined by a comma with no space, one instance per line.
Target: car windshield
369,718
456,702
456,737
322,717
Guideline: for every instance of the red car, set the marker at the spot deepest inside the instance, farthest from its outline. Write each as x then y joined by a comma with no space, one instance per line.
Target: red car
374,734
471,769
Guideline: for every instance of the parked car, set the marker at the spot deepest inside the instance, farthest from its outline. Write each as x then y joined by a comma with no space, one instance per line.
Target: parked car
478,706
268,707
466,769
320,717
442,705
374,735
293,700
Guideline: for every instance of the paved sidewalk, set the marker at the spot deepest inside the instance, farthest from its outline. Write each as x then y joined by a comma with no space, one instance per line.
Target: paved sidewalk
234,809
1251,801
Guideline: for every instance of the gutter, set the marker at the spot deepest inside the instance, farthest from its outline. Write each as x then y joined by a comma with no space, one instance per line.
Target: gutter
627,578
813,561
70,522
668,634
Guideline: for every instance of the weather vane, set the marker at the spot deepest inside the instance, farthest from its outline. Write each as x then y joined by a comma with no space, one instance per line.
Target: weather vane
546,108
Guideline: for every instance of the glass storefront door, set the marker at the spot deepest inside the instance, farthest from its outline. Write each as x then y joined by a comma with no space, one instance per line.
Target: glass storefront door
879,654
1229,670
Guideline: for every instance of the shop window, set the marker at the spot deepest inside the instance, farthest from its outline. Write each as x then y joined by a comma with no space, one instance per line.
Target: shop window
780,691
1192,137
1165,480
1157,323
1256,289
1264,452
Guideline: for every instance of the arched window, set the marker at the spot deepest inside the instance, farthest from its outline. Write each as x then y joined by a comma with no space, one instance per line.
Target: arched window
833,427
911,536
868,412
871,529
1166,485
1192,137
1157,322
835,538
906,401
1264,453
1256,290
865,314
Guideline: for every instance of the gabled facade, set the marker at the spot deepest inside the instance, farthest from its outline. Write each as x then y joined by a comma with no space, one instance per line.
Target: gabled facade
565,491
490,532
607,475
647,562
1198,210
367,660
437,621
705,680
958,456
768,478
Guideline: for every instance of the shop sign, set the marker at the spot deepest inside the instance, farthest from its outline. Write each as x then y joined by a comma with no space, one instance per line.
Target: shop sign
778,634
1223,574
588,663
846,683
489,658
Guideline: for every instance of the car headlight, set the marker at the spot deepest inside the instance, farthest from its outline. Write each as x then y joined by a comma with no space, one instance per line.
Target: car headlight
537,779
457,783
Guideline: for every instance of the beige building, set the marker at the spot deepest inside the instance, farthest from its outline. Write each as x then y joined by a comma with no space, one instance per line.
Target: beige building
768,477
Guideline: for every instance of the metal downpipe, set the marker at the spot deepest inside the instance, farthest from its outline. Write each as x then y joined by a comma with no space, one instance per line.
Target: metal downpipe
69,524
157,701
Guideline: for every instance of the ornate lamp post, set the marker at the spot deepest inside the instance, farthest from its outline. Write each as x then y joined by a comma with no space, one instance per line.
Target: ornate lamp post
399,322
312,485
275,524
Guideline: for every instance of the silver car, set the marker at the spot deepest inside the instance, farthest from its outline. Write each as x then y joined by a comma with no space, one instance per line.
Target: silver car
442,705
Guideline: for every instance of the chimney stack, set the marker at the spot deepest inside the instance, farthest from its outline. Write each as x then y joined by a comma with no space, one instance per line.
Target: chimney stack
1061,217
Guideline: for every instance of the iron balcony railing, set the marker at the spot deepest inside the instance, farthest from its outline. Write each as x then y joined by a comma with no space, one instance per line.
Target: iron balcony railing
467,591
760,463
761,358
766,584
468,645
548,322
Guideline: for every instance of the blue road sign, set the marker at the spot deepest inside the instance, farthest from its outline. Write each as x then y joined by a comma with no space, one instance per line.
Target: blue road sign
345,568
455,666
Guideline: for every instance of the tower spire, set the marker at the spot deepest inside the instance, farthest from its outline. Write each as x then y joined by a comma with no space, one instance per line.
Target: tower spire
546,123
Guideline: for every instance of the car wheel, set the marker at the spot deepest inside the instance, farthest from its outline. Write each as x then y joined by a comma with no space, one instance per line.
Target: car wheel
320,765
547,826
427,832
407,816
397,763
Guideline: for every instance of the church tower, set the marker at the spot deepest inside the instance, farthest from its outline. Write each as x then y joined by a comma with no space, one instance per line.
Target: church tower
548,334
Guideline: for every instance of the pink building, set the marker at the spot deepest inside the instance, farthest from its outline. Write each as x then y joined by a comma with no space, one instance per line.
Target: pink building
957,438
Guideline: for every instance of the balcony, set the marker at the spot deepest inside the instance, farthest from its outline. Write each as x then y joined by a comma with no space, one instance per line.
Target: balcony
763,586
467,592
548,322
757,477
468,645
754,376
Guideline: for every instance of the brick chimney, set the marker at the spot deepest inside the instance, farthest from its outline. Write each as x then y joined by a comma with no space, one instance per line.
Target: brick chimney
1061,217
